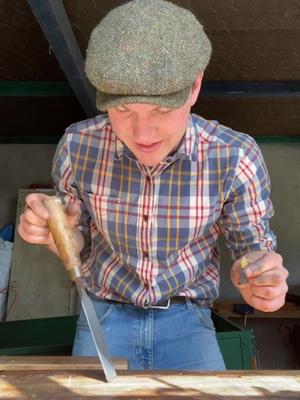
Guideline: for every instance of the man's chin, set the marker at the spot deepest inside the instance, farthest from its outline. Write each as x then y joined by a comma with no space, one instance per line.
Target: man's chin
148,163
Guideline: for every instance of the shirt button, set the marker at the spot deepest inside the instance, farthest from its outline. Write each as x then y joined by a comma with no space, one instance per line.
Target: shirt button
146,254
146,218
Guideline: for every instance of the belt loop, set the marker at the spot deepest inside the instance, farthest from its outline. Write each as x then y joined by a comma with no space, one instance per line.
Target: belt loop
188,302
119,304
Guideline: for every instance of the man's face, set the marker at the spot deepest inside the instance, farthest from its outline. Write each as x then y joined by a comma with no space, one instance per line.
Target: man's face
149,131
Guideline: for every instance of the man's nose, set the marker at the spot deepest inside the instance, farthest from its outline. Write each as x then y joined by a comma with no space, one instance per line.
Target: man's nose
143,130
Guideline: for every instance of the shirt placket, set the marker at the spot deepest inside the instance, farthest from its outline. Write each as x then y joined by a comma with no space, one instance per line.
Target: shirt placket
146,269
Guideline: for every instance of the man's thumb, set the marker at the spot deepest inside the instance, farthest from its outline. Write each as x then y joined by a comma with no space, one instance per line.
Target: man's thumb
73,212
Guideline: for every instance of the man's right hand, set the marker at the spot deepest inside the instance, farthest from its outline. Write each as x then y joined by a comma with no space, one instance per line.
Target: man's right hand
34,228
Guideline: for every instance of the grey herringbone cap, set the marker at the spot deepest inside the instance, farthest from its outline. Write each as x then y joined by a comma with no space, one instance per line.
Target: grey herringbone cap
146,51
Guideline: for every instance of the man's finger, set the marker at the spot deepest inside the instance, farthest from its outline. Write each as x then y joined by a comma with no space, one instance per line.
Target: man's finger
32,238
267,262
29,216
31,229
267,305
271,277
270,292
35,203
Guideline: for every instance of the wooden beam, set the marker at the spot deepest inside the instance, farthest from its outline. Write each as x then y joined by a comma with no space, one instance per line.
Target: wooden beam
35,89
55,23
272,89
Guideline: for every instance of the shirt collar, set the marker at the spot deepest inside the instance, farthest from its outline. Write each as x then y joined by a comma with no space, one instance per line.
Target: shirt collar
120,148
187,144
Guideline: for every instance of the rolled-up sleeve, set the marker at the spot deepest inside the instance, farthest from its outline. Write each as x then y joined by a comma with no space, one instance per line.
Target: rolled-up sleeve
248,207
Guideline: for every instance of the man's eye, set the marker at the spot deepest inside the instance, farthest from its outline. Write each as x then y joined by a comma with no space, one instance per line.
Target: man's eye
121,109
164,110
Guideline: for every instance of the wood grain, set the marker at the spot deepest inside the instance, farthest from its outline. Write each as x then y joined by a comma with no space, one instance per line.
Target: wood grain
55,363
81,379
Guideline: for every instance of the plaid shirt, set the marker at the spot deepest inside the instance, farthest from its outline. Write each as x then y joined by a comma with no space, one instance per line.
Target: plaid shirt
153,231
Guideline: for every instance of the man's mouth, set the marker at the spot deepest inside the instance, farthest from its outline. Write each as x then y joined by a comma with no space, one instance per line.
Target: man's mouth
148,148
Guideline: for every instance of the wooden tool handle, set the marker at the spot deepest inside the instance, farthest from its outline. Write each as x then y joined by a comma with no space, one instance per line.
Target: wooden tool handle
63,236
244,264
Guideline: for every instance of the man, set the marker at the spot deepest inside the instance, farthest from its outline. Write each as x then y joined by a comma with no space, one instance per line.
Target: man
149,188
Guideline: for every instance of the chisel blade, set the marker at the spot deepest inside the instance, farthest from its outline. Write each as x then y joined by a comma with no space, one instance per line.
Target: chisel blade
92,320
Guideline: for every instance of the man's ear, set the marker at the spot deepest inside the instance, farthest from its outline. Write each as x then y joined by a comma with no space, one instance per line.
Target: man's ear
196,88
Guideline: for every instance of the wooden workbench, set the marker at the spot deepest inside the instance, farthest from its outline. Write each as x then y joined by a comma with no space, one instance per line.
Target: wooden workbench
80,378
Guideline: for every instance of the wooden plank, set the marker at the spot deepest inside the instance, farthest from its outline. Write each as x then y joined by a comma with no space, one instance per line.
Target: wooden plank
86,383
55,363
39,285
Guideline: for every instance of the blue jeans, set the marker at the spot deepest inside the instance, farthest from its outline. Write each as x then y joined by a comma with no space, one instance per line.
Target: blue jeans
179,338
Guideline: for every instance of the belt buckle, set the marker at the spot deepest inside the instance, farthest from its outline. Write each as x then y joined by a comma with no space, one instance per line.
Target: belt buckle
162,307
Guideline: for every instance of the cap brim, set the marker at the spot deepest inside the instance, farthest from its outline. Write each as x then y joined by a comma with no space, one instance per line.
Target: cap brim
172,100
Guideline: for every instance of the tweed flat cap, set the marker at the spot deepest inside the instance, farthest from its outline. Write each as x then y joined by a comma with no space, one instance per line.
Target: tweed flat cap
146,51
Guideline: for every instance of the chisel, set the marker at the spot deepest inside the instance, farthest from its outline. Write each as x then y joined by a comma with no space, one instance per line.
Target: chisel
69,254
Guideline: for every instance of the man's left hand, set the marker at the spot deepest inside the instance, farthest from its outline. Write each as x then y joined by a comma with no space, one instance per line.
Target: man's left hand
266,287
